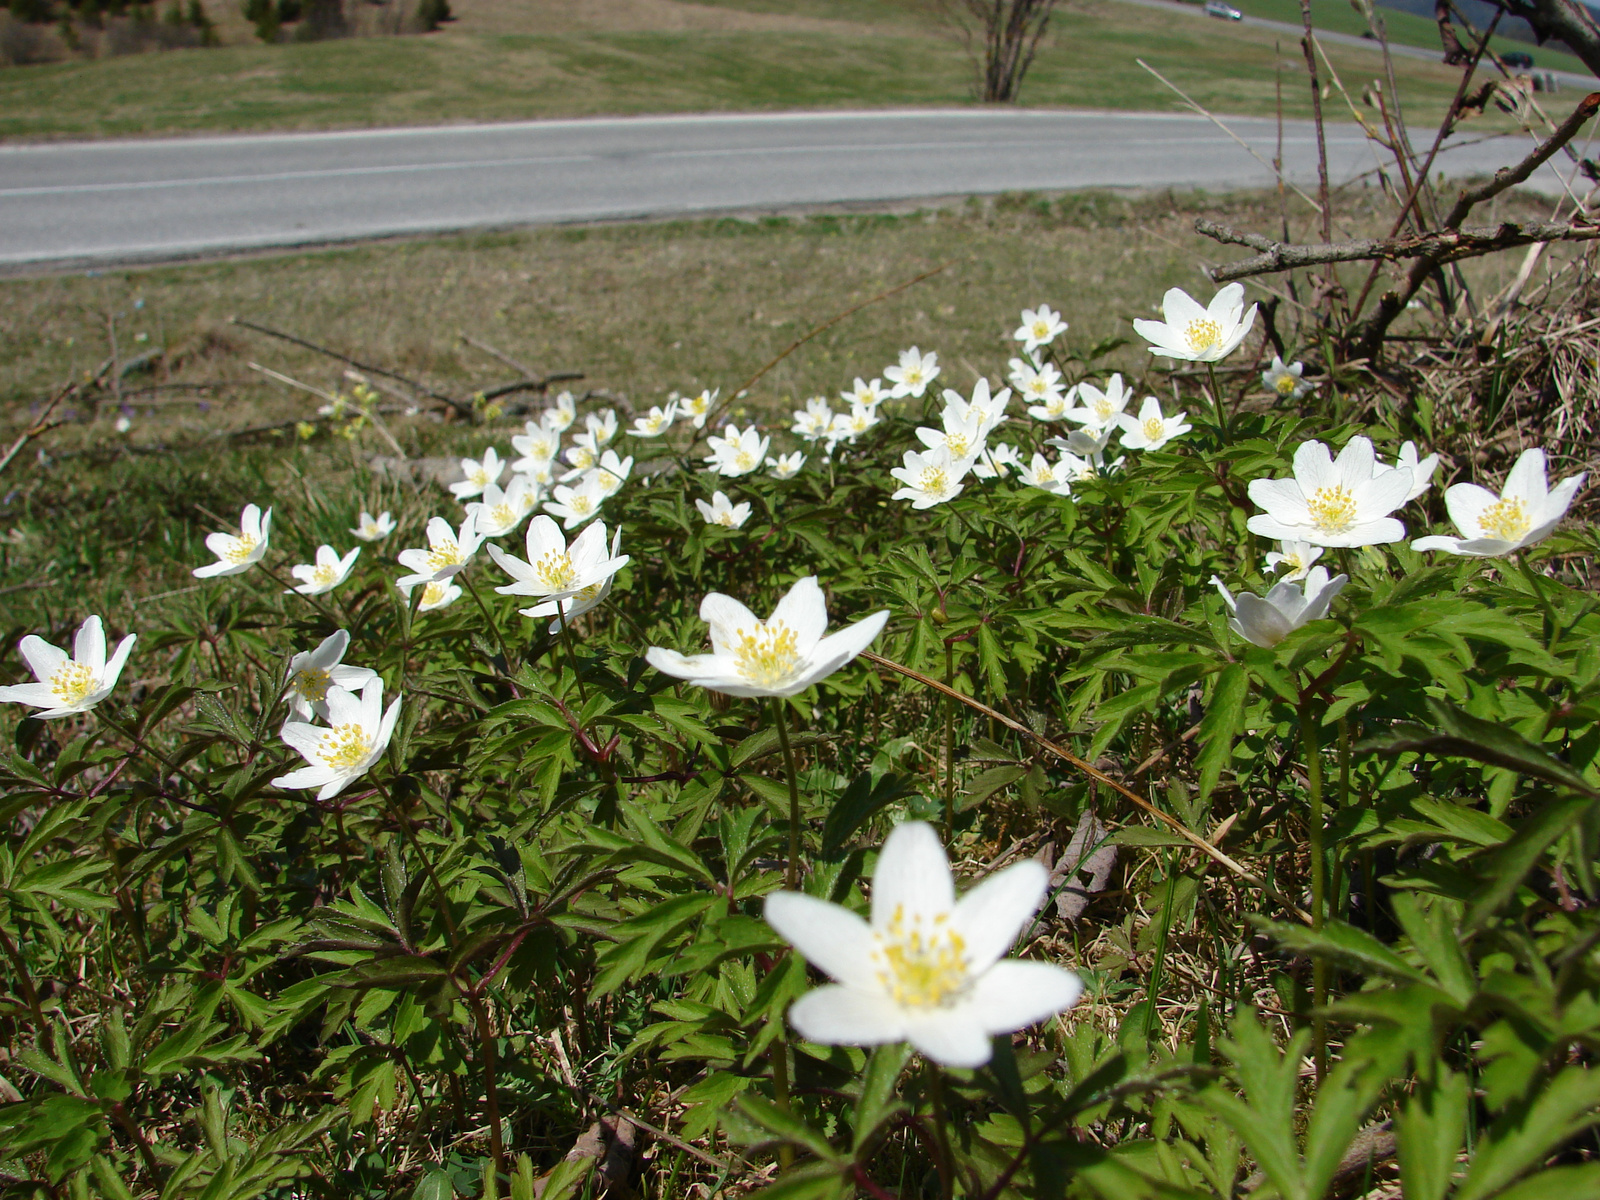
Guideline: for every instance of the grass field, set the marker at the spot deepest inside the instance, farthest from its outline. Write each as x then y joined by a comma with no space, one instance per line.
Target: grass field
729,57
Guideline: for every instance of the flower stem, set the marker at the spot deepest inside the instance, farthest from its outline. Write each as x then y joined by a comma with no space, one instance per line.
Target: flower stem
491,1102
499,638
949,745
779,1053
1537,588
1216,400
791,879
572,654
1319,887
941,1132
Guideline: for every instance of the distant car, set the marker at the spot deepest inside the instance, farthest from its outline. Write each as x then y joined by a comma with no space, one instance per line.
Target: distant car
1227,12
1518,60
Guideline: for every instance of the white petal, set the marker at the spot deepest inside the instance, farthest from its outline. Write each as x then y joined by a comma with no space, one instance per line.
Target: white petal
991,915
683,666
841,1016
1527,479
1258,622
1314,467
1466,503
1012,995
305,777
43,658
328,654
89,647
1282,498
119,659
727,618
39,695
912,872
952,1037
833,651
804,610
829,937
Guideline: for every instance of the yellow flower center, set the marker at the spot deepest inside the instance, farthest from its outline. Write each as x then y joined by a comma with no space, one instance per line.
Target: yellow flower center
767,656
1041,329
1102,407
935,481
433,593
370,529
325,575
1153,428
958,444
72,682
914,376
586,595
924,965
1506,519
502,514
555,571
1333,509
582,457
744,460
1286,384
1202,334
344,746
312,684
478,477
725,518
243,546
581,503
444,554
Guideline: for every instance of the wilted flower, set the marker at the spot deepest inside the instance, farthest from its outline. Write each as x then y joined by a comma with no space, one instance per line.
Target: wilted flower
722,511
781,656
555,571
1151,430
68,685
537,445
927,968
656,422
447,553
735,453
1285,381
241,551
438,594
1100,410
914,372
370,530
1196,334
1266,621
313,672
698,408
355,738
1040,326
327,573
870,394
575,505
1332,502
1526,511
931,478
480,473
1421,472
1296,556
560,416
786,466
501,511
813,421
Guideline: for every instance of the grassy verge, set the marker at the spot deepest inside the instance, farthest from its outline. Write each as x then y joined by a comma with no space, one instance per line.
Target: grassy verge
460,76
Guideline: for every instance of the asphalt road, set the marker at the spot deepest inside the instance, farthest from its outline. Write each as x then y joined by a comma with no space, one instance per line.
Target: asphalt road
96,204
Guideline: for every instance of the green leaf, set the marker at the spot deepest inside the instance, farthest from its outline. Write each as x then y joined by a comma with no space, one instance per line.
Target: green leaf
1525,1135
1348,944
864,797
877,1103
786,1127
1429,1130
1508,866
1223,718
435,1185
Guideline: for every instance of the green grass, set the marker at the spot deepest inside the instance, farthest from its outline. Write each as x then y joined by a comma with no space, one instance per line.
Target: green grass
461,76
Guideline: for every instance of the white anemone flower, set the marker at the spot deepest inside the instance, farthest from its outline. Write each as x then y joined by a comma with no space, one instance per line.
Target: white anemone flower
558,418
963,434
591,596
989,407
1526,511
870,394
537,445
1285,381
656,422
1421,471
541,473
737,453
997,462
1048,476
357,733
554,570
602,427
581,456
575,505
1151,430
1040,326
786,466
447,553
313,672
240,551
436,594
370,529
931,478
480,473
698,408
914,372
610,473
781,656
69,684
1100,410
1332,502
1297,557
858,420
1199,334
1267,620
1089,443
814,421
722,511
326,573
502,510
926,968
1042,385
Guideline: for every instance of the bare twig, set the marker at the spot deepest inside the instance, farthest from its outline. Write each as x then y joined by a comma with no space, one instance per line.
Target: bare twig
1508,177
42,424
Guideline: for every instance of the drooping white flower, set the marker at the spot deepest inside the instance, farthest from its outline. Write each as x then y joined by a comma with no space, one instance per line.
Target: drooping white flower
927,968
997,461
241,551
575,505
537,445
610,473
1421,471
1199,334
1526,511
326,573
656,422
786,466
698,408
69,684
781,656
1040,326
1047,476
722,511
1332,502
480,473
1099,410
555,571
437,594
813,421
1285,381
932,477
357,733
1089,443
602,427
1267,620
502,510
447,553
914,372
737,453
1151,430
369,529
1296,556
313,672
560,416
870,394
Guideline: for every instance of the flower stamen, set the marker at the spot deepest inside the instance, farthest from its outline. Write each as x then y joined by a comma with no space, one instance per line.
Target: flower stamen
768,655
1333,509
1506,520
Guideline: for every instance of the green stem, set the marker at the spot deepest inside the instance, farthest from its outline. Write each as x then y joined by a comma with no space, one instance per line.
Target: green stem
491,1102
494,625
779,1053
791,879
1163,932
1319,996
1216,400
572,654
30,994
1532,576
949,745
941,1132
